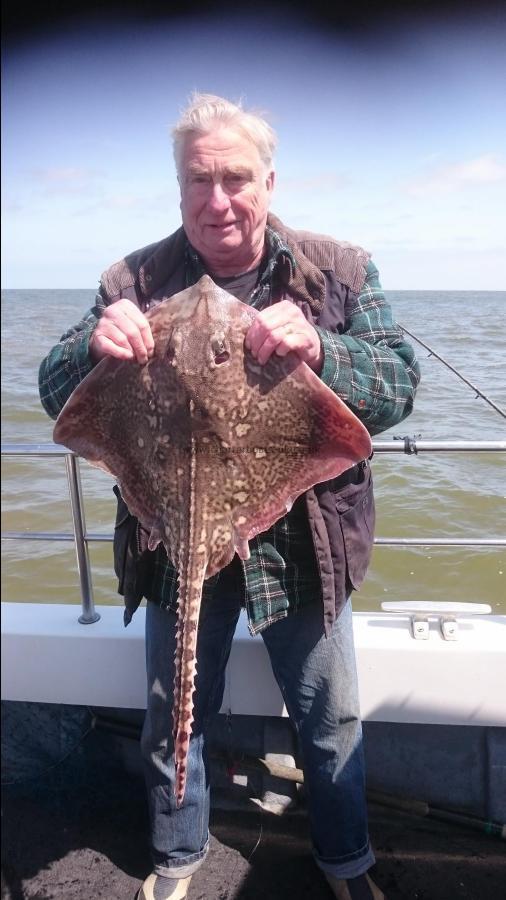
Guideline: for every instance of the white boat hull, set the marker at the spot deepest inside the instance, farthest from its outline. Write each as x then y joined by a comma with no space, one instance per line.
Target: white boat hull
49,657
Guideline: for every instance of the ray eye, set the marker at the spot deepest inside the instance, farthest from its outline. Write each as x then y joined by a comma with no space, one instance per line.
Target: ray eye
220,352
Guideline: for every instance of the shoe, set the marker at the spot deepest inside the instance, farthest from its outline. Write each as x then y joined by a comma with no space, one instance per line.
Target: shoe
361,888
156,887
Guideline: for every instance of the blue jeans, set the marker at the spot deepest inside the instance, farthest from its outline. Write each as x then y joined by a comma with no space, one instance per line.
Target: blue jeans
317,677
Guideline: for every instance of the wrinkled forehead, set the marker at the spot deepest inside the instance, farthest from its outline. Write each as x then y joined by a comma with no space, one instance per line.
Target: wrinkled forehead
220,149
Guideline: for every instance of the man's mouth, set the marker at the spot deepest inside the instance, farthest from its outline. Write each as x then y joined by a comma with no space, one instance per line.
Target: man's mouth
222,225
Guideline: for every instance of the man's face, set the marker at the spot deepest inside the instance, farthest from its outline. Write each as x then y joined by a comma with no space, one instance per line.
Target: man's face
225,196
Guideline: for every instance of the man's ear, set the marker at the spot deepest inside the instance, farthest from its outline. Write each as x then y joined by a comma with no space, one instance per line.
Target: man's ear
269,183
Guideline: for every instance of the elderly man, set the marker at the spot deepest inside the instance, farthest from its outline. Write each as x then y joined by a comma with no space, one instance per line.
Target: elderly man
321,299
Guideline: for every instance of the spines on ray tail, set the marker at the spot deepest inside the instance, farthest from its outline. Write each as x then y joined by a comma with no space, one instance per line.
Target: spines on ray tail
192,565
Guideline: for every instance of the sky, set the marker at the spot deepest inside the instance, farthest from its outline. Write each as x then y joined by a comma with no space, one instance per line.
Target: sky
391,137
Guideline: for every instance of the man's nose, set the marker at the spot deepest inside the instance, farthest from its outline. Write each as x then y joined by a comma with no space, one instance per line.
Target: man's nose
218,198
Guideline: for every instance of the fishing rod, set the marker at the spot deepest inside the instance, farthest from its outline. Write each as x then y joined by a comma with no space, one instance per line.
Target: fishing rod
458,374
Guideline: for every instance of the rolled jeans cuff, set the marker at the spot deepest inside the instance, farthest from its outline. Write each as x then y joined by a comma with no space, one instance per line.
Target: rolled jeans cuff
183,868
351,867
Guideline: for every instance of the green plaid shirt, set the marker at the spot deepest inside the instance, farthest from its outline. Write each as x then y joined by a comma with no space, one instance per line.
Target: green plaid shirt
370,366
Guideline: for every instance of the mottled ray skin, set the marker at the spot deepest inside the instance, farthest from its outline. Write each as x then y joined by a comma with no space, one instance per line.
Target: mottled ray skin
209,449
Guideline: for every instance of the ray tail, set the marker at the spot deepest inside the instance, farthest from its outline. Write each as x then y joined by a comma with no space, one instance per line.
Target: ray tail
192,568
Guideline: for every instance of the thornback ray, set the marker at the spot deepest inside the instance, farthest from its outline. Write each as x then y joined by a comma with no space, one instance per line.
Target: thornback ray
209,449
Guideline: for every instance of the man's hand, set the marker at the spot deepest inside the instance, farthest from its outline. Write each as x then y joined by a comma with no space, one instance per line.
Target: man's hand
281,328
123,332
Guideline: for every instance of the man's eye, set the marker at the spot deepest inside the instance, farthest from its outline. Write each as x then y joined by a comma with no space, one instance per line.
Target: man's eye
235,179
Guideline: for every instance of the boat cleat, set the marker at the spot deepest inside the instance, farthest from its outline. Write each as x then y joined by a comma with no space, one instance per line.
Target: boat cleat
421,612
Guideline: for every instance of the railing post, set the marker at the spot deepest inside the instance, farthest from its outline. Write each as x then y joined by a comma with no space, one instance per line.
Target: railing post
89,614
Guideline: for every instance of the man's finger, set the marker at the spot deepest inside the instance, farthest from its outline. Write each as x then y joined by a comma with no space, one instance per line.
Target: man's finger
281,340
119,339
135,337
139,319
109,341
126,316
268,321
111,348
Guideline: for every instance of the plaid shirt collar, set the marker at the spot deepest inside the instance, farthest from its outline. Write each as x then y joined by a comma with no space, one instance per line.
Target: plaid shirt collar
278,255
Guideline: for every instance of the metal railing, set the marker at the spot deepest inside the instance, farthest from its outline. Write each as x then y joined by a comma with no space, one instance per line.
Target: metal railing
81,538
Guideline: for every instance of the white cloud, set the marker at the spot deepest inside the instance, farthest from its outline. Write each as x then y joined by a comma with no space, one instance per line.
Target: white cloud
323,181
486,169
125,201
65,179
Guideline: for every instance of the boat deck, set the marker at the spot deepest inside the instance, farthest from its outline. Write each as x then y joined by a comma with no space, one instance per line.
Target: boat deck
85,836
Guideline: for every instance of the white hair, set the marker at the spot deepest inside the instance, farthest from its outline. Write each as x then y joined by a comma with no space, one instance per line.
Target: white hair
207,112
